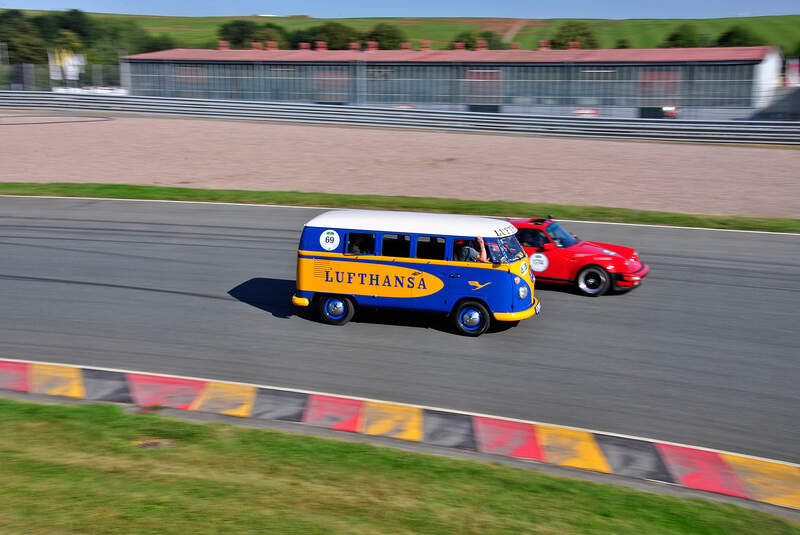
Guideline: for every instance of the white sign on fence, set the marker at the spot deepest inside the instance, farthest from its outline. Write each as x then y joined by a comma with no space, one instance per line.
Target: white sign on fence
64,65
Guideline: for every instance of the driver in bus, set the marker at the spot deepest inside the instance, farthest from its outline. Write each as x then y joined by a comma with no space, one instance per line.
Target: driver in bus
466,253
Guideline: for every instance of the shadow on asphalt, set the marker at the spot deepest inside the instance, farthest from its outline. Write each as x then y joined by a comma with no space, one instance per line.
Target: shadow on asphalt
275,296
271,295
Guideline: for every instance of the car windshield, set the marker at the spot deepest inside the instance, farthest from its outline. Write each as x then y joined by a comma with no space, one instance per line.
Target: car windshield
561,237
512,248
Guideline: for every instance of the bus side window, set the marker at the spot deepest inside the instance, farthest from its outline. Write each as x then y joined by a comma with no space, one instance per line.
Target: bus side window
360,243
431,247
396,245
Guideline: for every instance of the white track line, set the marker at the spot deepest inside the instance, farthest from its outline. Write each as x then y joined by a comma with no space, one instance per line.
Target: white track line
339,208
534,422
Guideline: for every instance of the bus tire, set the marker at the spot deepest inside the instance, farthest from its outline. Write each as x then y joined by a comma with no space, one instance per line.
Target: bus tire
336,309
471,318
593,281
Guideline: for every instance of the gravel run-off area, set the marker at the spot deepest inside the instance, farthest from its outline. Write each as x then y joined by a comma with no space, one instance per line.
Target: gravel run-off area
677,177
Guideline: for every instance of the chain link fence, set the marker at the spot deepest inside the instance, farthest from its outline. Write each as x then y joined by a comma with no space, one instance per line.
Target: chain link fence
31,77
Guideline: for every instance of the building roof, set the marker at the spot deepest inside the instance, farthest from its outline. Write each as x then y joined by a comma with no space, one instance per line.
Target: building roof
413,223
624,55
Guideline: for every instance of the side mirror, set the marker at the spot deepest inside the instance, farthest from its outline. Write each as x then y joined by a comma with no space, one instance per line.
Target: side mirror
549,246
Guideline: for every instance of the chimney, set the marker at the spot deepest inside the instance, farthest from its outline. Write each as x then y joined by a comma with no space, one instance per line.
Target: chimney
321,45
544,44
574,45
257,46
405,45
514,45
355,45
458,45
223,45
481,45
304,46
272,45
372,45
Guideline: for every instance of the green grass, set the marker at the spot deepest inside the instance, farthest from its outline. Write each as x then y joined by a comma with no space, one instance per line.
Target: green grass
642,33
424,204
77,469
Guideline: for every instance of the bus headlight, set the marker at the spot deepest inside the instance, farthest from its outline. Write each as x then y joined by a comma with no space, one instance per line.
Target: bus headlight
523,291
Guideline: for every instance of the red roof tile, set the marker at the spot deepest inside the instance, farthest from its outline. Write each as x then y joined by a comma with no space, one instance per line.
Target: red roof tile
634,55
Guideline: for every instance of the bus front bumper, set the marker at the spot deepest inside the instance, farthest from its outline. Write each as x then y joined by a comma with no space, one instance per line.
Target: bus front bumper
516,316
300,301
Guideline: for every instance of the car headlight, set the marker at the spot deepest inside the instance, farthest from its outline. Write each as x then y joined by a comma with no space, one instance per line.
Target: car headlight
523,291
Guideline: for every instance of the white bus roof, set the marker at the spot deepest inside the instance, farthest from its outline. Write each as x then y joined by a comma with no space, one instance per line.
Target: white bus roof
414,223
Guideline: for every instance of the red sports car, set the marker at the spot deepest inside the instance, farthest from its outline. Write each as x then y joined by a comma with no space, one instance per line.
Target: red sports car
561,257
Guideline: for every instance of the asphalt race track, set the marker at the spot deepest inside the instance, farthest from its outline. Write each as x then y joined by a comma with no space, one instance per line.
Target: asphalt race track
704,353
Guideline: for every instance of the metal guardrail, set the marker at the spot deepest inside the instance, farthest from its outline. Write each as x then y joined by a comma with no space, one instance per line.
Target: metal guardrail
761,132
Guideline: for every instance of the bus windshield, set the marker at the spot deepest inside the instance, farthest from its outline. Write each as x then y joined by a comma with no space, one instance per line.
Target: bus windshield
512,248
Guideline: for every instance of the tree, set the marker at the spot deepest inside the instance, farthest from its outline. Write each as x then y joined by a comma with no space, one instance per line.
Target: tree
739,36
623,42
239,33
265,34
574,30
684,36
469,38
79,23
68,40
304,35
493,41
162,41
24,43
48,25
338,36
388,36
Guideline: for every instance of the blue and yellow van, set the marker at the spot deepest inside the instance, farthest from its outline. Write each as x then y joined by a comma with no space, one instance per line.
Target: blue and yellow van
415,261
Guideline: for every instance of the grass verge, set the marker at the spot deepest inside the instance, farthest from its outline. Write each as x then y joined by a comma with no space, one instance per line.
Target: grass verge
425,204
78,469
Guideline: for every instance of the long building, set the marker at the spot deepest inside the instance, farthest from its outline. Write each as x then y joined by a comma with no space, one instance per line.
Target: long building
703,82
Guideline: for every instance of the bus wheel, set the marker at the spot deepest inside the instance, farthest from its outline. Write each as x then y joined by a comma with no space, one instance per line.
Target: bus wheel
593,281
336,309
471,318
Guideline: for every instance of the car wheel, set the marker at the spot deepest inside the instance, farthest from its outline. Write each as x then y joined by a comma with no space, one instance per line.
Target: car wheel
471,318
336,309
593,280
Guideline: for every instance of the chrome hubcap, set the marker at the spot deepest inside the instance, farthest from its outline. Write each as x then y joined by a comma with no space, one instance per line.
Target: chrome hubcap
335,308
592,281
471,318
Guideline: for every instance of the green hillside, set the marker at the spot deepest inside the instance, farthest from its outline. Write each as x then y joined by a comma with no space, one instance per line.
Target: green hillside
201,32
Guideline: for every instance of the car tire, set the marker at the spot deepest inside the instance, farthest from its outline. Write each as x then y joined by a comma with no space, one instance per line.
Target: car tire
336,309
471,318
593,281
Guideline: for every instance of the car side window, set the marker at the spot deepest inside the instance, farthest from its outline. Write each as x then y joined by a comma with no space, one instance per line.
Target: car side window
430,247
360,243
531,237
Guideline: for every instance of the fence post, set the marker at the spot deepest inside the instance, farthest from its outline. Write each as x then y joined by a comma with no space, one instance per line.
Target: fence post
97,75
361,82
28,77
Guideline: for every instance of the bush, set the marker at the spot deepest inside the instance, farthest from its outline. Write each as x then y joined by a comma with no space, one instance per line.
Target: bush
684,36
623,43
469,39
739,36
338,36
239,33
388,36
574,30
